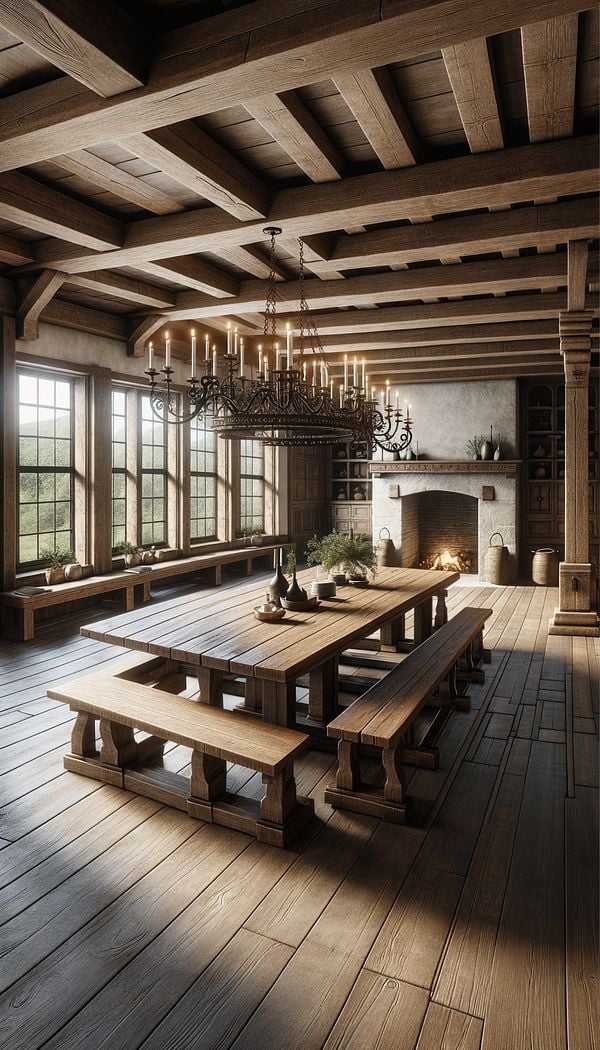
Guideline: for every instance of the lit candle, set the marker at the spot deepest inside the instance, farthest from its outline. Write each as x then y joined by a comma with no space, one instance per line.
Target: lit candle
167,351
314,375
355,372
193,372
331,389
409,410
235,341
366,388
229,337
322,375
397,400
241,357
290,351
150,356
406,408
341,395
304,368
276,356
374,393
214,360
206,348
363,374
259,358
345,371
387,393
266,366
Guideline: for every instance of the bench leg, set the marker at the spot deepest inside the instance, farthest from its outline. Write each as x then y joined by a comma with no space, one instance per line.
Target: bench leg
391,634
218,575
208,778
28,625
129,598
348,772
210,681
394,787
249,567
280,797
118,743
83,737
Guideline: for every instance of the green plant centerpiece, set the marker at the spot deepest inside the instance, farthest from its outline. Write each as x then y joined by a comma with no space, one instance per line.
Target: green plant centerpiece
354,555
56,558
130,552
473,446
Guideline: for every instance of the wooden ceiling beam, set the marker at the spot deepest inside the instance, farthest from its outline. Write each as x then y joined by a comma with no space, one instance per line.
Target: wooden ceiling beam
194,273
470,74
14,252
462,183
282,46
471,373
577,268
120,286
380,360
465,334
107,51
37,296
473,278
109,177
187,154
143,331
253,260
292,125
545,225
372,97
549,67
29,203
85,319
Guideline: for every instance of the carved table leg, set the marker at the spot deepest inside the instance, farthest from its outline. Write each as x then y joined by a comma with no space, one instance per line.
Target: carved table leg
253,695
423,618
348,773
323,691
208,777
279,702
391,634
441,611
210,681
118,743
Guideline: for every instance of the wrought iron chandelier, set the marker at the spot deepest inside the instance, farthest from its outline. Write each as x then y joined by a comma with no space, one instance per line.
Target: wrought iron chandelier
288,399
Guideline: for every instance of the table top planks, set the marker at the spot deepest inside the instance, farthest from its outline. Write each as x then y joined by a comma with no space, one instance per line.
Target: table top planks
219,631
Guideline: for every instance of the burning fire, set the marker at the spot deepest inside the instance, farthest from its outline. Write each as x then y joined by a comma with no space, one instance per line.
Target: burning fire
449,562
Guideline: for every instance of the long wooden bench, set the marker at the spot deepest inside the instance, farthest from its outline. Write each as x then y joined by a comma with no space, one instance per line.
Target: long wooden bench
384,715
18,608
215,736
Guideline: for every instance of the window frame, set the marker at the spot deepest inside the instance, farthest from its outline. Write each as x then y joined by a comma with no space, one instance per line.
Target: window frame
244,475
141,472
214,475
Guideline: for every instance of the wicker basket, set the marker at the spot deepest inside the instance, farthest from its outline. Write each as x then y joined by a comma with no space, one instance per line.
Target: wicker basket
497,561
386,552
544,567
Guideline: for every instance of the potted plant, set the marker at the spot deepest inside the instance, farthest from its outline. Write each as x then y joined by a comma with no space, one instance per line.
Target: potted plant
245,533
130,553
256,535
473,446
57,557
354,555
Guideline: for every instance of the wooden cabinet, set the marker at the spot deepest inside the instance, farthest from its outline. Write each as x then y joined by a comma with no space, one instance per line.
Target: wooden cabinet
543,452
350,488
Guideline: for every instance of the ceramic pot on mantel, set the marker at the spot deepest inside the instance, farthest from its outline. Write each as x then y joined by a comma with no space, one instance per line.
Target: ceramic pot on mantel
487,448
278,585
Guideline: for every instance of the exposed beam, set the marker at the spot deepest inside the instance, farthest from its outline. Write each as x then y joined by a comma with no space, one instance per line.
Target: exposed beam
195,273
544,226
317,250
105,50
34,300
403,356
253,260
472,373
109,177
281,46
494,367
473,278
294,128
371,96
120,286
549,68
30,203
462,183
85,319
14,252
440,315
187,154
142,332
461,335
577,263
469,70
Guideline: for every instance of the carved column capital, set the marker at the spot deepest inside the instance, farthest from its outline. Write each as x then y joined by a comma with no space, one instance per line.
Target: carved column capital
575,328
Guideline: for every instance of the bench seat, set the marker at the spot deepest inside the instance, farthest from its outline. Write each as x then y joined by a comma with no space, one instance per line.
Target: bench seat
383,716
215,737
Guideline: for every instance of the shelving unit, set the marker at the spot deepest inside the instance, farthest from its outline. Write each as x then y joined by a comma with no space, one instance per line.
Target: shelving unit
543,450
350,487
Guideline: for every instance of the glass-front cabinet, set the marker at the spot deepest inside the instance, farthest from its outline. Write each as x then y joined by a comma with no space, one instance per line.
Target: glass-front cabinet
350,487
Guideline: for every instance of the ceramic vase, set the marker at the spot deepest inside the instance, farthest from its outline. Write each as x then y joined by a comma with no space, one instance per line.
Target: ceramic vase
487,448
55,575
295,592
278,585
73,571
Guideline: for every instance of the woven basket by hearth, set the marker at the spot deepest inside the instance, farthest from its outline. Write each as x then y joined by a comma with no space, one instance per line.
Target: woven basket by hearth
496,561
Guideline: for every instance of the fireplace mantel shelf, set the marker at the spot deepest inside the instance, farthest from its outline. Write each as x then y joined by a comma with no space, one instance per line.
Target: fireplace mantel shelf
507,467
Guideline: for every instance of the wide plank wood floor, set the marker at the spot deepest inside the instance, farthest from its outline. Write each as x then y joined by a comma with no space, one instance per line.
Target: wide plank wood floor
125,924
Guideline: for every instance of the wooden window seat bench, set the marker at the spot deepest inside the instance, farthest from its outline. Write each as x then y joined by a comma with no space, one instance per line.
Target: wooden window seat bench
383,717
214,735
19,608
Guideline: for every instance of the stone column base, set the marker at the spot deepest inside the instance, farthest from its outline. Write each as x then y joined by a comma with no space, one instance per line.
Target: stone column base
577,593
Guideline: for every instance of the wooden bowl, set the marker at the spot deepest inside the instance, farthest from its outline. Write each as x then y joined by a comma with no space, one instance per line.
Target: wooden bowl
310,603
268,617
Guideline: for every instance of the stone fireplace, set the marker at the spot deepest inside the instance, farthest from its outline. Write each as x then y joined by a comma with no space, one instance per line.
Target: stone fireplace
429,505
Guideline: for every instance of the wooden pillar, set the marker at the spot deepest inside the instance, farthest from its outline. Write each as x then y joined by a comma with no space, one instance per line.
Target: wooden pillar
100,470
8,453
575,613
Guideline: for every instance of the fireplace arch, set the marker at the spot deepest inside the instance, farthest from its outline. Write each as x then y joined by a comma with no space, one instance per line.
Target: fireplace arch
439,523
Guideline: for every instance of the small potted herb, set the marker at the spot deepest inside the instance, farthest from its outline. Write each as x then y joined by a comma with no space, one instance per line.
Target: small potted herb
130,553
349,554
57,558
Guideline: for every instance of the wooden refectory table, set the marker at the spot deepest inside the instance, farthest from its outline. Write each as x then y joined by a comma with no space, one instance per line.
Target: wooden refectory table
214,634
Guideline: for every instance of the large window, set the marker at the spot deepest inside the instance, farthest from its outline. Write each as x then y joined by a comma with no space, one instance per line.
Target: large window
203,479
252,484
119,467
45,465
153,474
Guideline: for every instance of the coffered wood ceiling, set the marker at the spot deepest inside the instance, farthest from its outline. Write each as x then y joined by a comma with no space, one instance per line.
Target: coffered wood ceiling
437,158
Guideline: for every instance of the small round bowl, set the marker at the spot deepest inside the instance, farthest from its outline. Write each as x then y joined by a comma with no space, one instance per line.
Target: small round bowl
306,606
323,589
268,616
